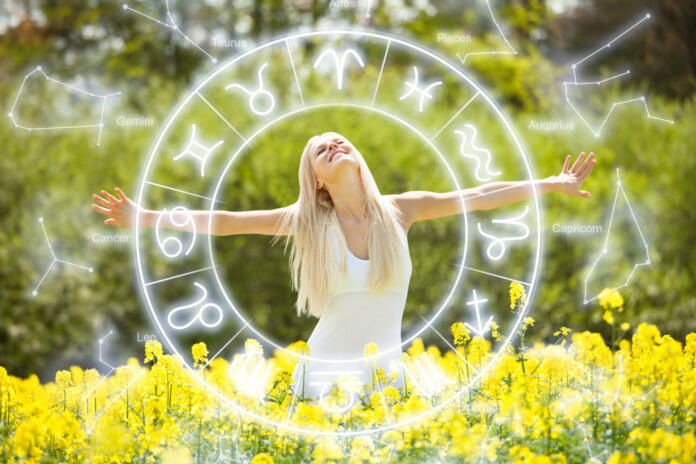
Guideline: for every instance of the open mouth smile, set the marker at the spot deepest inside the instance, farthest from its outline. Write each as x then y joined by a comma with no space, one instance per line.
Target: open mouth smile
336,153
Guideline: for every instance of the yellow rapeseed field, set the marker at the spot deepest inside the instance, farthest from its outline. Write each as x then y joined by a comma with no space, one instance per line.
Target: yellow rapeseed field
576,400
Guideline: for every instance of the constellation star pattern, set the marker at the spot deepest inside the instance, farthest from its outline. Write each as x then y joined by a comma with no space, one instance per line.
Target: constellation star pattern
39,70
171,25
576,83
511,49
55,260
605,250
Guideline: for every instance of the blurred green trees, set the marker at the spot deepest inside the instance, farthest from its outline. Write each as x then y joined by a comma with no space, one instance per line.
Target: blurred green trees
52,174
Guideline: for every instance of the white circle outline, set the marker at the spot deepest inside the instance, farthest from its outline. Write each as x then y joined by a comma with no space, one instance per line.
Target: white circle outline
243,146
379,36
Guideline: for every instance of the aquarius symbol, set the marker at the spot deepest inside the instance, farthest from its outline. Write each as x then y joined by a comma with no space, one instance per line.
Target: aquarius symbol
468,144
345,384
260,92
178,246
189,150
249,373
340,64
499,243
424,93
200,315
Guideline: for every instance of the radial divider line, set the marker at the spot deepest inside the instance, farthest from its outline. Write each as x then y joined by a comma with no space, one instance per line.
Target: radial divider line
223,347
180,275
181,191
455,115
496,275
379,78
294,71
220,115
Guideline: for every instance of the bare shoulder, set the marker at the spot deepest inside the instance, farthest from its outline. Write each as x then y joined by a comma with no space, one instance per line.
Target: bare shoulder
407,203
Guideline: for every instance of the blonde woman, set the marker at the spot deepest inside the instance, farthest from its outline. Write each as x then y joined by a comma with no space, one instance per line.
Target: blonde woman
349,258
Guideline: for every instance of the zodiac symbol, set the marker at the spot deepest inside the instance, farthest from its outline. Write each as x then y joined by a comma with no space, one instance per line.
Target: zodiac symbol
200,315
344,383
189,150
478,330
340,64
163,244
468,144
250,372
260,92
425,376
413,87
499,243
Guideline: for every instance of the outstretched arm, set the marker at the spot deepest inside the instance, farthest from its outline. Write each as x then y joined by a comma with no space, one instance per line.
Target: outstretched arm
423,205
122,212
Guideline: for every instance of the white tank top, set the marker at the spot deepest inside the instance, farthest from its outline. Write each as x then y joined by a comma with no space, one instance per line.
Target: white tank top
355,317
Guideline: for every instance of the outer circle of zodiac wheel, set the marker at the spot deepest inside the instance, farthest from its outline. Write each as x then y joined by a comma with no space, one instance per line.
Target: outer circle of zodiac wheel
284,80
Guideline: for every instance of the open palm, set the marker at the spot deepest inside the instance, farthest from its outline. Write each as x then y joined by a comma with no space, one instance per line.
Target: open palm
571,179
121,211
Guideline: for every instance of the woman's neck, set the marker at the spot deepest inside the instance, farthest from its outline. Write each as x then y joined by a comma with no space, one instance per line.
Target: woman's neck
350,203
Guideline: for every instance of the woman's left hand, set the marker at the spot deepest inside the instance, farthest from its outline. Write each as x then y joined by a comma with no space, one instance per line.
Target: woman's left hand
571,179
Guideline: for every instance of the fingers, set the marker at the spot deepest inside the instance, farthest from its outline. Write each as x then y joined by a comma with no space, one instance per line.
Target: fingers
109,196
586,172
99,209
101,201
565,164
121,195
111,221
589,162
577,162
585,194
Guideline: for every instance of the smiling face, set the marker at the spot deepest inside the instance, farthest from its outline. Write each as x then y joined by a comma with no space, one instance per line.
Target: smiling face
332,157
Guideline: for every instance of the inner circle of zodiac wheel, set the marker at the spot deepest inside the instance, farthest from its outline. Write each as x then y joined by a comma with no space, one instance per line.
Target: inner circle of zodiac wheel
313,74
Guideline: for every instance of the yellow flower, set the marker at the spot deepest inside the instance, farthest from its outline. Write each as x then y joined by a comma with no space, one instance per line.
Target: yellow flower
461,333
625,326
608,317
91,376
200,353
517,294
528,321
371,352
63,379
611,299
300,347
494,331
262,458
153,351
253,346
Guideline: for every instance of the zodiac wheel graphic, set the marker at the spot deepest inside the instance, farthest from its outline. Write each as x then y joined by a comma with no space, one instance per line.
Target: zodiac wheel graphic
284,80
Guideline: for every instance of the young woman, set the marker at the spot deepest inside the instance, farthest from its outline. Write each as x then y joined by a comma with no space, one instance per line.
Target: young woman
349,259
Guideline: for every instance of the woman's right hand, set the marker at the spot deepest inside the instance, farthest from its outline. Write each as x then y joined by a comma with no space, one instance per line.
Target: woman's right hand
121,211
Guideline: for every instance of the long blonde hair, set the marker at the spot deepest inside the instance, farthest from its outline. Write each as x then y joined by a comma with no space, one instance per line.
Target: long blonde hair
313,223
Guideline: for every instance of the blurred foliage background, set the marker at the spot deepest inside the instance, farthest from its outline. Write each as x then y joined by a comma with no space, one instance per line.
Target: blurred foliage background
100,46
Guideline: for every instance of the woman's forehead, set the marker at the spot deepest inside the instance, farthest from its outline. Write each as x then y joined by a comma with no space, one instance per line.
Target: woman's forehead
331,136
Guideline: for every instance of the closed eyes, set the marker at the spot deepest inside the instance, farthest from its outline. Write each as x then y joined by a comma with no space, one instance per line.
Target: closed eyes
322,149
